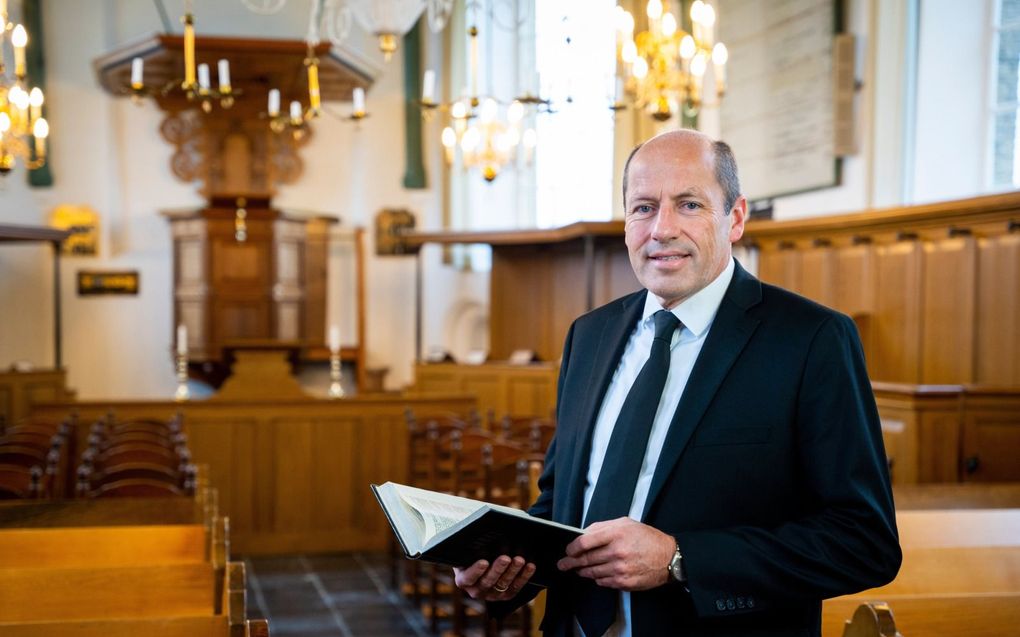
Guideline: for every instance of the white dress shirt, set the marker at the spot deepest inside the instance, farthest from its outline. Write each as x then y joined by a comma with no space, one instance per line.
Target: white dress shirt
696,314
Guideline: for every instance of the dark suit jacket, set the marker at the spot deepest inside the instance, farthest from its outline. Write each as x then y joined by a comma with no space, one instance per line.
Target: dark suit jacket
773,476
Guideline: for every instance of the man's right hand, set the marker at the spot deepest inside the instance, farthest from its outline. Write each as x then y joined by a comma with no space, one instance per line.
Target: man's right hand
500,581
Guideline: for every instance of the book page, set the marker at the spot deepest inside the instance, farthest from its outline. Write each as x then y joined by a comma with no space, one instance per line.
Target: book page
439,513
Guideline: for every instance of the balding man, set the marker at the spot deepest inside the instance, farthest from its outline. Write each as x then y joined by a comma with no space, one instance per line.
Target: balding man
717,436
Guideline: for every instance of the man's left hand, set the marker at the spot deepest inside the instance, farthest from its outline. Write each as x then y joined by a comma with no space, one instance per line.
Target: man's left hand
623,554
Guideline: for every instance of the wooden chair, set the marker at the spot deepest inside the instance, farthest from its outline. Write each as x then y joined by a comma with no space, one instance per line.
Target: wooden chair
450,470
871,620
510,479
532,431
23,456
135,452
419,448
136,488
483,467
20,482
133,470
140,437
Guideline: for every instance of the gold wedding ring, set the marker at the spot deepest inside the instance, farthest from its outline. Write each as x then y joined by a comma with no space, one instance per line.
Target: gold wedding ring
500,590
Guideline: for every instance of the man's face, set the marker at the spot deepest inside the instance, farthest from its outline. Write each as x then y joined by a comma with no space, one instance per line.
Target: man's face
677,231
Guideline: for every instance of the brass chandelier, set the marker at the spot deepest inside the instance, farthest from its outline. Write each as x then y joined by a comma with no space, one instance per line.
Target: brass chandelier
662,70
484,132
23,129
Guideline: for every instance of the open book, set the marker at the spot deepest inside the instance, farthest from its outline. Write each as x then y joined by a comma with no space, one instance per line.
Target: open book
455,531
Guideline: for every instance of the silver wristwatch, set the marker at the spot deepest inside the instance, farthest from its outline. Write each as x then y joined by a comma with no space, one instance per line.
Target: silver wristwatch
676,566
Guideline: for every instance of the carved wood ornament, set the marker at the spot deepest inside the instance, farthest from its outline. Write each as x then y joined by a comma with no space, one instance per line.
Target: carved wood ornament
232,150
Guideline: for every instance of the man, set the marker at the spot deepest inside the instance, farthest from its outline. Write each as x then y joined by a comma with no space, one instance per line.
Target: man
755,483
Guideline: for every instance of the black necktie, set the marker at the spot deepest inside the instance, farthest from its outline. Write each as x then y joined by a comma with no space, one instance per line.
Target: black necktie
614,492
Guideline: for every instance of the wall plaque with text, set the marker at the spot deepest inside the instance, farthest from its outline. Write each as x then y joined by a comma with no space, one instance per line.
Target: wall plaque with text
92,283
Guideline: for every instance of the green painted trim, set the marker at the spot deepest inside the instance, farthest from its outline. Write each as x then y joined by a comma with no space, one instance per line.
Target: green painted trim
36,70
414,166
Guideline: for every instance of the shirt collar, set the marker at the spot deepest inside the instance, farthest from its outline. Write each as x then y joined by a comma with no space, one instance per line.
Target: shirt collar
698,311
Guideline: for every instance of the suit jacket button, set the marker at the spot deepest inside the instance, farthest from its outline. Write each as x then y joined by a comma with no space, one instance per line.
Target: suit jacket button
740,602
750,602
720,604
729,604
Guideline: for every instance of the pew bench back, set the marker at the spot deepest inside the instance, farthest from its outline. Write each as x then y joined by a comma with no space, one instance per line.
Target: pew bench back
103,546
173,590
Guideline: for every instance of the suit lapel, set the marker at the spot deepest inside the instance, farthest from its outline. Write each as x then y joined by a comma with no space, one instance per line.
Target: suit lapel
615,332
730,331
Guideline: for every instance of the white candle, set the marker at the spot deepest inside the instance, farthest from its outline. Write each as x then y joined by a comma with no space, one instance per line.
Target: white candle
334,339
182,340
428,87
19,40
295,110
203,76
274,102
136,72
359,100
224,71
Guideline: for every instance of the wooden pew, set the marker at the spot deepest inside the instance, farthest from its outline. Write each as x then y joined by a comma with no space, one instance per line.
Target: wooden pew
232,623
131,511
960,576
35,594
988,495
119,568
104,546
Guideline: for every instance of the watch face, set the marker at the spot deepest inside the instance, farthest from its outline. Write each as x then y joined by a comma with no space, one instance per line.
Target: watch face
676,568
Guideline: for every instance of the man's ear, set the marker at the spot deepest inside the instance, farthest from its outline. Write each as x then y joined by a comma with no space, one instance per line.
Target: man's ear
738,216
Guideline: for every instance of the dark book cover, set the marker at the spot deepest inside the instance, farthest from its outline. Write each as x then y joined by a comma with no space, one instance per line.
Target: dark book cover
488,533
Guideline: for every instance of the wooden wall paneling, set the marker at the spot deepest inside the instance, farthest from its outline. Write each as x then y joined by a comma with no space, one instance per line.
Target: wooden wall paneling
387,440
779,267
240,318
568,295
818,274
899,435
519,308
524,390
949,297
226,446
530,396
921,430
768,265
338,512
234,262
614,277
897,320
855,292
939,439
991,434
488,386
437,378
997,348
293,467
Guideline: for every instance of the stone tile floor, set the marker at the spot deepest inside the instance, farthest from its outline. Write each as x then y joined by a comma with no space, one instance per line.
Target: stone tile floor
342,595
